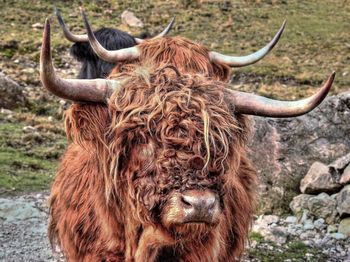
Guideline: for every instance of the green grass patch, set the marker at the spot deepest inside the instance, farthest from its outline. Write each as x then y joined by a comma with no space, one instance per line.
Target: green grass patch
295,251
256,236
21,173
314,43
28,160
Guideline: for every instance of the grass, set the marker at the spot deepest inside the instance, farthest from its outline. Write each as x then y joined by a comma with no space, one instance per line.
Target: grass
28,160
314,44
256,236
294,251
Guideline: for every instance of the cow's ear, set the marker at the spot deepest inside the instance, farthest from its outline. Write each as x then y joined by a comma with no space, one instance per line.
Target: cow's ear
87,123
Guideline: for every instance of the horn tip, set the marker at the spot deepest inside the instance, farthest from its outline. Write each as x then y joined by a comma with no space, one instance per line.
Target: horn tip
57,11
82,10
87,25
332,77
283,26
83,14
47,23
329,82
59,18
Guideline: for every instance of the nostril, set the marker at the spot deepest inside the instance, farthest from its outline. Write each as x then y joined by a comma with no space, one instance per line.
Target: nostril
185,202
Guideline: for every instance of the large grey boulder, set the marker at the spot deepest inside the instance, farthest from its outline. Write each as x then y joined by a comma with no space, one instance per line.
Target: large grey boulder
318,179
343,201
11,93
283,150
323,206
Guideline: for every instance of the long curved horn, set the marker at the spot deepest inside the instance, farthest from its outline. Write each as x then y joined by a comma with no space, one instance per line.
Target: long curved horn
109,56
250,104
96,90
68,34
163,33
239,61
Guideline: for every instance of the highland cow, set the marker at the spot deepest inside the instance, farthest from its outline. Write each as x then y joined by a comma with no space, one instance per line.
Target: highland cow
157,166
112,39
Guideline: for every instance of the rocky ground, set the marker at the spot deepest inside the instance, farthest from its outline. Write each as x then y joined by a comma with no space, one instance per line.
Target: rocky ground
23,236
23,229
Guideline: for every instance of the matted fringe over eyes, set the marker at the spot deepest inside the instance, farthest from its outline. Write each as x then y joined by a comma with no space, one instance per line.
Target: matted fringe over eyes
148,98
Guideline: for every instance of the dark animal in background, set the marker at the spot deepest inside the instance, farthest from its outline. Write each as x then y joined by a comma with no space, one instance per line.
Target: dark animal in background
111,39
91,65
157,167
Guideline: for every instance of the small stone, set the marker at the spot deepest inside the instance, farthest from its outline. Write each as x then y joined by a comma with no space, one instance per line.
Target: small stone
308,225
276,234
338,236
291,220
28,129
271,219
129,18
308,243
318,243
344,227
332,229
307,235
304,216
319,223
38,26
6,111
268,220
28,70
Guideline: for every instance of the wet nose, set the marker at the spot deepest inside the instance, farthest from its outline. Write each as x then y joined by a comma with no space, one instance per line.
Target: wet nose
199,206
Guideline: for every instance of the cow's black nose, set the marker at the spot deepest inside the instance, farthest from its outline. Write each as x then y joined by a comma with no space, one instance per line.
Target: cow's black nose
199,206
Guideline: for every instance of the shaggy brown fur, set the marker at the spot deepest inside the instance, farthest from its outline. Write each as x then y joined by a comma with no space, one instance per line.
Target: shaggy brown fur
168,130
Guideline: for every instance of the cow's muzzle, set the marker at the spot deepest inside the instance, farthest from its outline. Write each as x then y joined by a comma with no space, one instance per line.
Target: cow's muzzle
199,206
192,206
